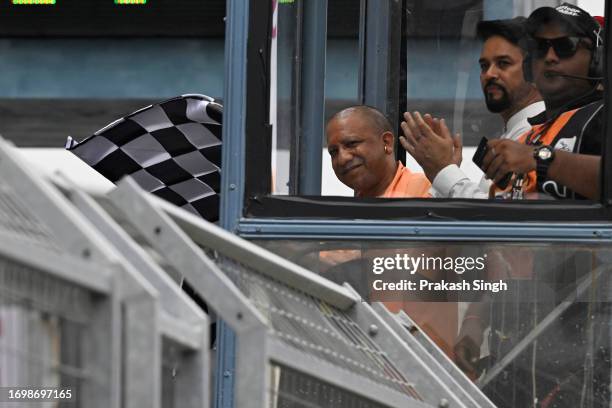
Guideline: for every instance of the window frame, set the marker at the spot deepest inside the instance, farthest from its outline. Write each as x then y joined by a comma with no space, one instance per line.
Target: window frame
256,203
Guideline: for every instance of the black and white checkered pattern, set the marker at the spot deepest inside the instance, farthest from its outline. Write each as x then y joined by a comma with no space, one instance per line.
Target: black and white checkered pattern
172,149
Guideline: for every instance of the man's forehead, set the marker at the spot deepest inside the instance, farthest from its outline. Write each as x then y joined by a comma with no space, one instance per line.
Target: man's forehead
348,116
349,126
337,127
497,45
346,121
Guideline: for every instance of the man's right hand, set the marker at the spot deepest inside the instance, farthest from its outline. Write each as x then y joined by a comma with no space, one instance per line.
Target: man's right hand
507,156
430,142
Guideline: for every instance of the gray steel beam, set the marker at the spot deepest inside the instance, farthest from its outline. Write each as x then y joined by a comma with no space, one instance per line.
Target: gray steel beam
445,369
380,42
177,318
191,383
141,357
75,237
413,361
313,96
73,270
101,354
268,263
172,298
46,203
253,368
400,230
234,113
184,255
233,170
295,359
183,332
411,329
205,277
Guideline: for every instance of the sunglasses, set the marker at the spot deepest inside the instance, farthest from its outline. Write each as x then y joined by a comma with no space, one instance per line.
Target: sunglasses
564,47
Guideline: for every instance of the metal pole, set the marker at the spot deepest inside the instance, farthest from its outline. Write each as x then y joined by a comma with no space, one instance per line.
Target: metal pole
606,179
380,37
232,180
313,96
362,51
402,98
235,91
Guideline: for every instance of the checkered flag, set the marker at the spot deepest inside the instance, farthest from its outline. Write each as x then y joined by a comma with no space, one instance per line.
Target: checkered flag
171,149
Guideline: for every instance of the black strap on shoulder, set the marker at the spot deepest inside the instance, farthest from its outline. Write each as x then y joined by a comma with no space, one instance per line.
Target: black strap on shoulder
577,124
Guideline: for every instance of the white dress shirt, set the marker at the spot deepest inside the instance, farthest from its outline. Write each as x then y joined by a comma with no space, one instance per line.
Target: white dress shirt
452,182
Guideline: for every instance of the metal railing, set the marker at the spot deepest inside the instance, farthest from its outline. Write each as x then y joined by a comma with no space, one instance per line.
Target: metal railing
78,311
90,293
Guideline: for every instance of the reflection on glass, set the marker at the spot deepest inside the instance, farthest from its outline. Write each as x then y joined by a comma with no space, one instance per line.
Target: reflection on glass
454,71
340,82
528,323
284,91
516,80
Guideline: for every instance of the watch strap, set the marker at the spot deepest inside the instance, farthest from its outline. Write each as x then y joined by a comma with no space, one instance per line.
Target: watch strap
542,165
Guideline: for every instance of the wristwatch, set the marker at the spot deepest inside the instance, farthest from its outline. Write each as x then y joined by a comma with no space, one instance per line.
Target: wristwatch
544,155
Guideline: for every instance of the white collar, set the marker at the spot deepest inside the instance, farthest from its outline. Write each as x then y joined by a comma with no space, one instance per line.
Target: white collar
528,111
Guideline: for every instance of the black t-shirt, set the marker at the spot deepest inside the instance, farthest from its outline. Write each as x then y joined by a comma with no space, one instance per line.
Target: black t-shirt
583,133
586,124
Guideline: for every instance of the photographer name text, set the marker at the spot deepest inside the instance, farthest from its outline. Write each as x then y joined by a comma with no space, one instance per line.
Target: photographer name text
442,286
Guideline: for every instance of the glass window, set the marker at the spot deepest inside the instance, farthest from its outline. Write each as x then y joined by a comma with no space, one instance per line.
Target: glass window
341,83
439,73
526,321
284,91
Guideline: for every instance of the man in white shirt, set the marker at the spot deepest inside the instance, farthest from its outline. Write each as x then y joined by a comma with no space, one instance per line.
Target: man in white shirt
506,92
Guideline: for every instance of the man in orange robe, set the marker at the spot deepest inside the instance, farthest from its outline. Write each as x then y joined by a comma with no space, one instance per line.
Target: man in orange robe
360,141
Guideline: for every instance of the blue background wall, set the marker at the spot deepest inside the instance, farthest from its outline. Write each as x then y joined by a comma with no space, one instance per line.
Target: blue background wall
160,68
110,68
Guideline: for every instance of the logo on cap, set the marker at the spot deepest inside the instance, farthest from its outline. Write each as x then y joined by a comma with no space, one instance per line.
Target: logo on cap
567,10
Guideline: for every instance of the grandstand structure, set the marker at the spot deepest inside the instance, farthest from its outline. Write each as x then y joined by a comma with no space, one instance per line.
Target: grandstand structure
129,301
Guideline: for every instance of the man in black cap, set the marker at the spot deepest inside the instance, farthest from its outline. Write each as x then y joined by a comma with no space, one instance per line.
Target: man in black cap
566,362
560,157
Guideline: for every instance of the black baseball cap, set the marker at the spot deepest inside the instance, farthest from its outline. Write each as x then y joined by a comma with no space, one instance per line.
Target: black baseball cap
513,29
573,17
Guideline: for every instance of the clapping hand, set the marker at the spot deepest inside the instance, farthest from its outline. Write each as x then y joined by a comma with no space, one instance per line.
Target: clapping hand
430,142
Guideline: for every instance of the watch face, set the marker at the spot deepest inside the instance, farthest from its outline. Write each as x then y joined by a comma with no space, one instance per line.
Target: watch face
544,154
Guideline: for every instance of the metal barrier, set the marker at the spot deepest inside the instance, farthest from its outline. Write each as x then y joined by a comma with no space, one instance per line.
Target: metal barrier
183,325
302,340
435,358
59,307
75,313
90,296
